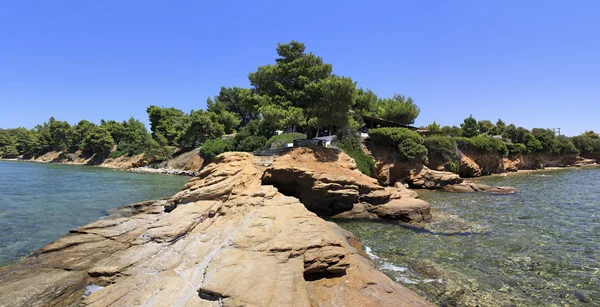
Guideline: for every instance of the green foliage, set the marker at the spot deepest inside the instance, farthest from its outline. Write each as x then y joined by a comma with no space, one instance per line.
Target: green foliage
212,148
533,144
251,143
588,143
517,148
486,126
352,147
253,136
168,122
499,128
199,128
453,131
98,141
398,109
279,141
481,144
239,101
452,166
78,134
219,114
116,129
564,145
434,127
442,147
470,127
409,143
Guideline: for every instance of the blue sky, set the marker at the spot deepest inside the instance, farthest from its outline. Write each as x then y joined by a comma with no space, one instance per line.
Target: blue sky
532,63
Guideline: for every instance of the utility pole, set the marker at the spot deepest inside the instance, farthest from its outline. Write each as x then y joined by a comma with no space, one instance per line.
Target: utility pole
555,130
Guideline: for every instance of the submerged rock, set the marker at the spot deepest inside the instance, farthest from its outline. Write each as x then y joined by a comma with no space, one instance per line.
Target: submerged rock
471,187
225,240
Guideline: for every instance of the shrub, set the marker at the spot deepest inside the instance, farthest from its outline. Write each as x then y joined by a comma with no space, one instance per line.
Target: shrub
213,148
409,143
587,143
564,145
452,166
481,144
352,147
279,141
516,148
442,147
251,143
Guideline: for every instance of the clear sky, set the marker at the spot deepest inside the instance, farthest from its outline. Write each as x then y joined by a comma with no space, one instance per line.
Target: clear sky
532,63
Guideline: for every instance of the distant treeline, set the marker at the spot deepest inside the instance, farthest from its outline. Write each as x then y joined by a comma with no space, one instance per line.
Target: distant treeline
298,94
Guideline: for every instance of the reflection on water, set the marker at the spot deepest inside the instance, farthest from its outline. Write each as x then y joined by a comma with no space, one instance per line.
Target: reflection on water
538,247
40,203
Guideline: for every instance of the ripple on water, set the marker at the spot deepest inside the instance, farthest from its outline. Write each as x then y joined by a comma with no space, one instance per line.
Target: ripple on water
539,247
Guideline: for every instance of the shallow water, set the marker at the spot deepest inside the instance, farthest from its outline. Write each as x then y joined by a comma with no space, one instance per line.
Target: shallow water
40,203
540,247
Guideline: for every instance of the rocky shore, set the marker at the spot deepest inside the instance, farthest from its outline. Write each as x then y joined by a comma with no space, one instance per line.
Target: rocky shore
231,237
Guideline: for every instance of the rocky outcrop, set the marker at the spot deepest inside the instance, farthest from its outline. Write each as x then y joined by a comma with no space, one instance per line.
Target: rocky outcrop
224,240
425,178
478,164
468,168
533,161
328,183
471,187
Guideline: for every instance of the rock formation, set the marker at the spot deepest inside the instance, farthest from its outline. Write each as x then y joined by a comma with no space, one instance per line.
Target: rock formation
225,240
470,187
328,183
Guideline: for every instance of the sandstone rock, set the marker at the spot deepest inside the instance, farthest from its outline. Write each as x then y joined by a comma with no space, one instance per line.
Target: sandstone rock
430,179
470,187
325,180
468,167
405,209
227,240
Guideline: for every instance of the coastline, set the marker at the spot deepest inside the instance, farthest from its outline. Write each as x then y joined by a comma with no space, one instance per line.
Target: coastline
141,169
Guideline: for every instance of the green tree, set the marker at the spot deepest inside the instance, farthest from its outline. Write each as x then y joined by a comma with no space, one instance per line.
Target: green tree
200,128
470,127
301,82
166,121
434,127
98,141
365,102
78,134
486,126
499,128
398,109
116,129
453,131
240,101
219,114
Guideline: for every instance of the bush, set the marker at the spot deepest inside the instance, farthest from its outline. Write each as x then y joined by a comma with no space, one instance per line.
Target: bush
516,148
409,143
279,141
352,147
213,148
452,166
564,145
442,147
251,143
481,144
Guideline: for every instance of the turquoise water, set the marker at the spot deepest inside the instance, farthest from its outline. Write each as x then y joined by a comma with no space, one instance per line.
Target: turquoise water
40,203
540,247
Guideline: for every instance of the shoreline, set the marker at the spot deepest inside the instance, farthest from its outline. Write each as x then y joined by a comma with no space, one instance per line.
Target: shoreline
141,170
